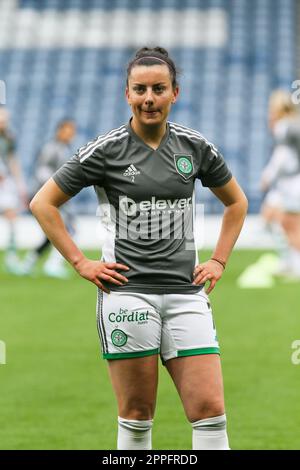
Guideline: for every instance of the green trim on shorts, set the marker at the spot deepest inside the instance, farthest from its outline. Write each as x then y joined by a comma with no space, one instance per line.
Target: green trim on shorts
131,354
196,352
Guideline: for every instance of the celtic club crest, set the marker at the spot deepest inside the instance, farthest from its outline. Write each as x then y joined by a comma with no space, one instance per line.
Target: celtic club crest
184,165
119,338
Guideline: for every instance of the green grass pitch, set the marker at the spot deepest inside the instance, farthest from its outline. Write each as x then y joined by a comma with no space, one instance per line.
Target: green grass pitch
55,391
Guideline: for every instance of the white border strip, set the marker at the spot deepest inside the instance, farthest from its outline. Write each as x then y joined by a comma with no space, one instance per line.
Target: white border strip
28,28
90,235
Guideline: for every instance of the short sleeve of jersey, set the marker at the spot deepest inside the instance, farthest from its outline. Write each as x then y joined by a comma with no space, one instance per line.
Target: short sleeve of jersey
47,154
282,131
85,168
287,132
213,170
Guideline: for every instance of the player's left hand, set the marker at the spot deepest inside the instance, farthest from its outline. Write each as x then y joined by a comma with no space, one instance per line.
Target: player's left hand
209,271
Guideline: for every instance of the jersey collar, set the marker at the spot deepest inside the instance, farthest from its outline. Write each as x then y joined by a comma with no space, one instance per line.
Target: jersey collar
140,141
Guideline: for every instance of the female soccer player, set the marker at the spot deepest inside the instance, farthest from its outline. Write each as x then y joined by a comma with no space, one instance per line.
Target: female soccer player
281,178
13,193
151,297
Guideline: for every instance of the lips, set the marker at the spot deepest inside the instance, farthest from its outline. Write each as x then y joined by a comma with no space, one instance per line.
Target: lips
150,113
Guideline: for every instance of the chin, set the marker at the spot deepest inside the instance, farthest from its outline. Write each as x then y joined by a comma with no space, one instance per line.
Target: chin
155,121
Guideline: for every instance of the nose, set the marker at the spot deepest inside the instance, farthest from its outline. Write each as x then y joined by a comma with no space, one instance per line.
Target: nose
149,97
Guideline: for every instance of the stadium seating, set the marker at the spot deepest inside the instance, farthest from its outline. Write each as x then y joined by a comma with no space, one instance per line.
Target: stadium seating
55,64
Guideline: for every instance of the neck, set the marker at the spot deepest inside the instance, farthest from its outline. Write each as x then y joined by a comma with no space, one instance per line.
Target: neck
151,135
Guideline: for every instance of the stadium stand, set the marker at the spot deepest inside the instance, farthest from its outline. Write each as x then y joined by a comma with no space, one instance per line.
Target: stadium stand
68,57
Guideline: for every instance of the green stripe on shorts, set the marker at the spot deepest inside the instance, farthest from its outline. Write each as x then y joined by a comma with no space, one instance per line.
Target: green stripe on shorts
131,354
196,352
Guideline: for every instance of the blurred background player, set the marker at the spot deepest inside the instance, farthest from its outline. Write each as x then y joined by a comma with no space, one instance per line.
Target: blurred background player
281,180
52,156
12,190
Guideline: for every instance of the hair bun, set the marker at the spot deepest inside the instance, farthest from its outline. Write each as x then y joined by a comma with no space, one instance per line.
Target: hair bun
161,51
141,52
144,51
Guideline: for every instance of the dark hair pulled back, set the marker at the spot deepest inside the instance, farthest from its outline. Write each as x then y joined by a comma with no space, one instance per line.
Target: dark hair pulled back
153,56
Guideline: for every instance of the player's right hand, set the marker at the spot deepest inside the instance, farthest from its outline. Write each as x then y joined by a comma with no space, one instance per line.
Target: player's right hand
95,271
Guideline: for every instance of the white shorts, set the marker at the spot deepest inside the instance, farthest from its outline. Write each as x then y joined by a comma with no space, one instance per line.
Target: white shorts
273,199
172,325
285,196
289,189
8,195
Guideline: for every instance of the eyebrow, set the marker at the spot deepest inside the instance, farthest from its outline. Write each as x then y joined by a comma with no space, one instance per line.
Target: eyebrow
155,84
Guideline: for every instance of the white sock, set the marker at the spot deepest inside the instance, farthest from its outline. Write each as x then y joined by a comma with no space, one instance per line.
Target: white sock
281,242
30,260
134,434
210,434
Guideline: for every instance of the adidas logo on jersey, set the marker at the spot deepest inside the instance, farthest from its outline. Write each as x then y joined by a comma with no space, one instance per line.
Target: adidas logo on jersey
132,172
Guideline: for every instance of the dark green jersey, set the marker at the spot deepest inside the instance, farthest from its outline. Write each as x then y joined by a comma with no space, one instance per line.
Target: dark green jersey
146,201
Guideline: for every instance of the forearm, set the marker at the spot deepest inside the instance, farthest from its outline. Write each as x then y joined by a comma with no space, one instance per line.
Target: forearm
44,207
282,155
52,224
232,222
